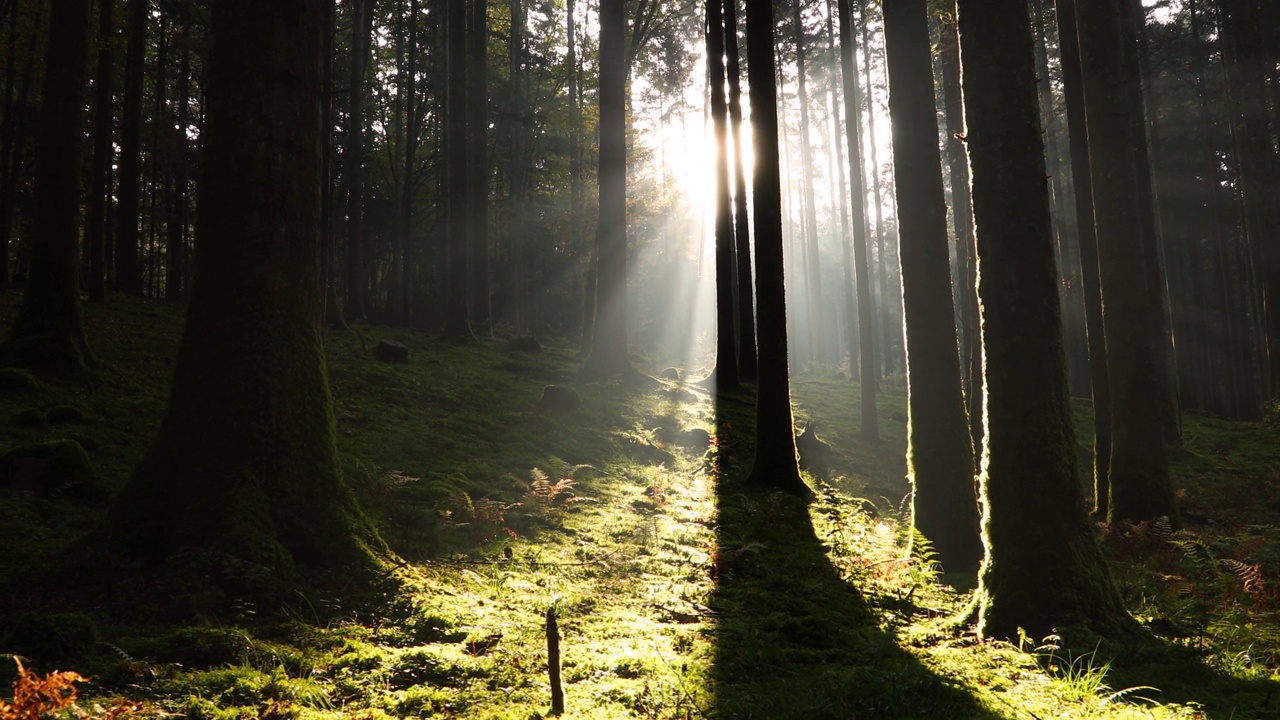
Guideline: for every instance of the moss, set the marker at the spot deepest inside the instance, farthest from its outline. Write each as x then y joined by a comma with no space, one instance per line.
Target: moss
17,380
27,418
54,468
66,414
50,638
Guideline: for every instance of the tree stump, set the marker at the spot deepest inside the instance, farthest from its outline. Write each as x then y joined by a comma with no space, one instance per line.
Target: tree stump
390,351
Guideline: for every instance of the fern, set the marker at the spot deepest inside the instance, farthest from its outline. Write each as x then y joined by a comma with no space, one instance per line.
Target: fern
35,696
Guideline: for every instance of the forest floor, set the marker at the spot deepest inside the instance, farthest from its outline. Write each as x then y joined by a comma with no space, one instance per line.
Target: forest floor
679,593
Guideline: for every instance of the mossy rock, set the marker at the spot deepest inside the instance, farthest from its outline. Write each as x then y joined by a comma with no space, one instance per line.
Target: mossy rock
46,638
56,468
18,380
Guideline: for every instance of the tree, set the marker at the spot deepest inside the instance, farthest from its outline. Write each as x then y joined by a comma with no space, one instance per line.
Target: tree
47,333
244,469
457,324
478,163
747,370
939,449
776,465
128,275
1081,179
1139,469
1042,569
609,354
95,229
726,345
812,270
354,289
866,313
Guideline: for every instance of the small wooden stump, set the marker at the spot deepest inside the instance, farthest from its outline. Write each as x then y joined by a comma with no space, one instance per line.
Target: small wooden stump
553,663
390,351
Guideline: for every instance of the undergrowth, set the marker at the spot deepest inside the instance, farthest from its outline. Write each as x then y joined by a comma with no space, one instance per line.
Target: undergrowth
680,592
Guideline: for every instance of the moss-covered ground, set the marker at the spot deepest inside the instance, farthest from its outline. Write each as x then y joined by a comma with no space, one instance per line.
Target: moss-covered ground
680,594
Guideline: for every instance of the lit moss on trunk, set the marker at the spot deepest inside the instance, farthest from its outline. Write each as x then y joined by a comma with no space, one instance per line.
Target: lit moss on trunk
1042,571
245,466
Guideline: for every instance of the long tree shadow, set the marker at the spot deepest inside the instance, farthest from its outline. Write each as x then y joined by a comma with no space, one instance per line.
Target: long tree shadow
793,639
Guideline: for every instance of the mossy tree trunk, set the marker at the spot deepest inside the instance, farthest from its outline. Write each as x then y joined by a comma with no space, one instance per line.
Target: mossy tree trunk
776,465
47,334
939,449
245,466
1042,569
1139,469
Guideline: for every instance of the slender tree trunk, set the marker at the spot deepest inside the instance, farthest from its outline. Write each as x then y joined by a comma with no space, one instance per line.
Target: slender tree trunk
478,162
355,287
609,353
155,189
866,311
1043,570
817,325
939,448
889,317
837,167
128,277
1139,470
1082,181
747,364
176,276
457,319
96,223
776,464
726,345
962,220
7,139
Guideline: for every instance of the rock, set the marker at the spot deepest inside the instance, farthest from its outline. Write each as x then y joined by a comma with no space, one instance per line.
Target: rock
814,452
525,344
694,439
559,398
670,374
390,351
53,468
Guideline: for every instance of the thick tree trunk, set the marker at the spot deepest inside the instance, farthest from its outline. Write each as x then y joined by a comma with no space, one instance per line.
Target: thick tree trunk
1043,570
776,464
47,335
1139,469
726,372
939,448
245,485
128,276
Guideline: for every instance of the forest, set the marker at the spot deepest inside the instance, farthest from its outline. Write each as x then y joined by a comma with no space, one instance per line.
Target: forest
662,359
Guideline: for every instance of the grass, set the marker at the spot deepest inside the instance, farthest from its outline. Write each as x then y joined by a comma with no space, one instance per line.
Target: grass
680,592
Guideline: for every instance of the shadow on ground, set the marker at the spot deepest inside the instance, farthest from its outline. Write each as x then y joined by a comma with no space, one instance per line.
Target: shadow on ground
793,639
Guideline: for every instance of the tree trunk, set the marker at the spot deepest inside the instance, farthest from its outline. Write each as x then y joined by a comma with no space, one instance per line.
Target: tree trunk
1043,570
260,486
128,276
457,324
813,272
939,448
95,229
776,464
1139,469
726,372
355,287
1082,181
609,346
870,429
176,275
478,162
747,365
47,335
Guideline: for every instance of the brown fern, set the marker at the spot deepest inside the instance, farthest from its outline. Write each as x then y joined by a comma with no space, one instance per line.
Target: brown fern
35,696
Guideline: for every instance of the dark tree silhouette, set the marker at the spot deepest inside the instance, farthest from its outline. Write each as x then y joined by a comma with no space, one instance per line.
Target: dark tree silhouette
457,323
244,469
776,465
128,274
95,226
1139,468
478,161
609,337
939,449
1043,569
870,429
747,369
726,372
355,281
47,334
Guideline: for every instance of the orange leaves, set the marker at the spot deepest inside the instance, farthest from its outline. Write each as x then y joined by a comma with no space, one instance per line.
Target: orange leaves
33,696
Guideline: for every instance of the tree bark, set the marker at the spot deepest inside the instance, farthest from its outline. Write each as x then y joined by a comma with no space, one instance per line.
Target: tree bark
776,465
1042,570
128,276
95,229
939,448
478,162
747,364
245,485
726,372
